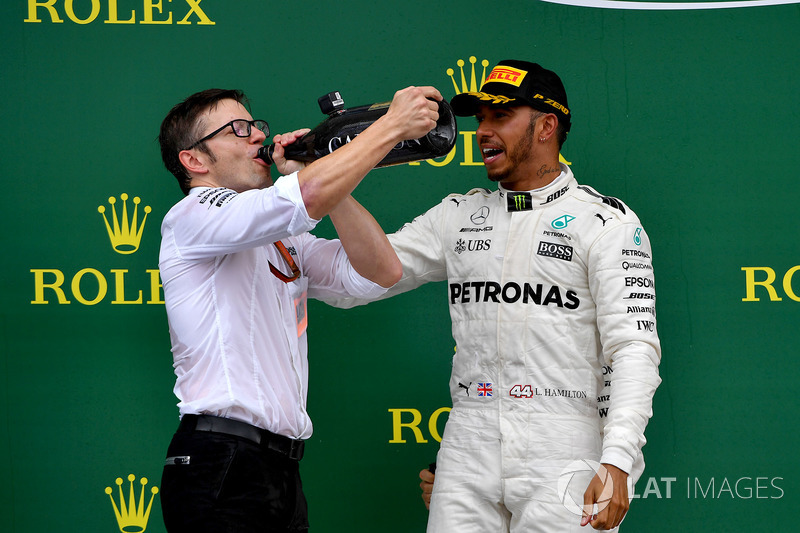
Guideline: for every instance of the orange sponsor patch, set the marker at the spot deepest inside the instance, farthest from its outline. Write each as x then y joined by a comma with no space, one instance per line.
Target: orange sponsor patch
504,74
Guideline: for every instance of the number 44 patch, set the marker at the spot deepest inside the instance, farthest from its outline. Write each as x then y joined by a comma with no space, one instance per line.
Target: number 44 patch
522,391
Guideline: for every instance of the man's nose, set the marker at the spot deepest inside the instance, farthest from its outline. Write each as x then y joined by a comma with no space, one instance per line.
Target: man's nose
257,136
484,130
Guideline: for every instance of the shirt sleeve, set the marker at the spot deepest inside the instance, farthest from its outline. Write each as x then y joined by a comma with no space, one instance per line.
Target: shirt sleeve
623,285
330,274
417,245
213,222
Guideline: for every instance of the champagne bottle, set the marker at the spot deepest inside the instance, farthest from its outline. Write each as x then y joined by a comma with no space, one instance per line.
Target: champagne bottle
343,125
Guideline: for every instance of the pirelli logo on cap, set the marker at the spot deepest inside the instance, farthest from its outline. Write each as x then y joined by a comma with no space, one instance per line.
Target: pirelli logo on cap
504,74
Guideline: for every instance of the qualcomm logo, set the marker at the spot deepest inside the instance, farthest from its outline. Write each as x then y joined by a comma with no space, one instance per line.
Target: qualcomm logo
661,6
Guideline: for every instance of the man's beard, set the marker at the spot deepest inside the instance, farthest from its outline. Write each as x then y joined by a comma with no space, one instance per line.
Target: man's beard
517,155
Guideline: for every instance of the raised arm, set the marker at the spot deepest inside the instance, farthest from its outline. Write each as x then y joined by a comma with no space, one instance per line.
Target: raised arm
365,243
327,181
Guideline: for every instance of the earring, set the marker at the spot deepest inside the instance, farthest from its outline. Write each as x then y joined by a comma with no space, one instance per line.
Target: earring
542,139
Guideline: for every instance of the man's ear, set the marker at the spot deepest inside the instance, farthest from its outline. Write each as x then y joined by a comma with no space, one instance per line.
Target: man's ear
549,125
191,162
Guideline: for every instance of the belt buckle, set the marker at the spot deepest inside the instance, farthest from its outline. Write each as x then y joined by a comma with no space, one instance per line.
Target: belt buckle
296,449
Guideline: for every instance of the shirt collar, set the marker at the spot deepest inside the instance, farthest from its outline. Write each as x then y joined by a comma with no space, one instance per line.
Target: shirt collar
529,200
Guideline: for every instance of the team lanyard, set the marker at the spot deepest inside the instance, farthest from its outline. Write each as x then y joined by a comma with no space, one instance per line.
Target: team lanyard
288,258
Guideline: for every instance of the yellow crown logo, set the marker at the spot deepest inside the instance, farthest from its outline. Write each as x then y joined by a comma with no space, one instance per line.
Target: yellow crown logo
125,236
132,518
473,86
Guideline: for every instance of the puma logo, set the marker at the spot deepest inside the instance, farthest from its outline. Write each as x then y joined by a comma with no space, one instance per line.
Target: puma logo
598,215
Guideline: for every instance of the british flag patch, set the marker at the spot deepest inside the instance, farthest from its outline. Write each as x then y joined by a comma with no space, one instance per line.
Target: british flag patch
484,389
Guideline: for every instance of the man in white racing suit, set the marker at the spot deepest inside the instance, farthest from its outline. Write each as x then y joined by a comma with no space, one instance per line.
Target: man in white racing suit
549,283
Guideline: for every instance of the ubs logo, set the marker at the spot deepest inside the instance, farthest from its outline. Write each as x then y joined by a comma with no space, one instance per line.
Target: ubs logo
472,245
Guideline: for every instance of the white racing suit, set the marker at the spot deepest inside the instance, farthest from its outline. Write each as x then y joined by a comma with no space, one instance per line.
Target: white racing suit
546,289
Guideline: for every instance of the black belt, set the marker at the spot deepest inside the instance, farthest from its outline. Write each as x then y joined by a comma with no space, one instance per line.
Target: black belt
292,448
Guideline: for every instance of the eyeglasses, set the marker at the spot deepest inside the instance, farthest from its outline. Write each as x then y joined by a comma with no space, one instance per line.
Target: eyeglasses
241,128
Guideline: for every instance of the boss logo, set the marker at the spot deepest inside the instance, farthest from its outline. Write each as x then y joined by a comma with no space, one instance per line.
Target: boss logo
559,251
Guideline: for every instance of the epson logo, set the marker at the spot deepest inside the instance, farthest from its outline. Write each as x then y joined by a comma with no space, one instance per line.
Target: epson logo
559,251
638,282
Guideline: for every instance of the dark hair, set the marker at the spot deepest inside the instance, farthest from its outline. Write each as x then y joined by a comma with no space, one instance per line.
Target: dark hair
181,128
561,134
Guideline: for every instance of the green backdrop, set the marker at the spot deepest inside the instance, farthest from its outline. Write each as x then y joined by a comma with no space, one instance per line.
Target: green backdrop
688,115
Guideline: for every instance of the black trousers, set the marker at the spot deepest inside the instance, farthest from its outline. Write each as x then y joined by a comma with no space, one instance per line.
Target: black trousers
218,483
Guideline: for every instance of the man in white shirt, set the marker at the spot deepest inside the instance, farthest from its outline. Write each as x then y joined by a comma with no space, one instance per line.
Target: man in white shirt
237,265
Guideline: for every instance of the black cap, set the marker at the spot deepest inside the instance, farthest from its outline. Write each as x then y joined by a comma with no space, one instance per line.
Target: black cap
513,83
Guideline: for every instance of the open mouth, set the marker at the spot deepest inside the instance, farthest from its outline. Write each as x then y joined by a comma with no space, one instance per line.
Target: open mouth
490,153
